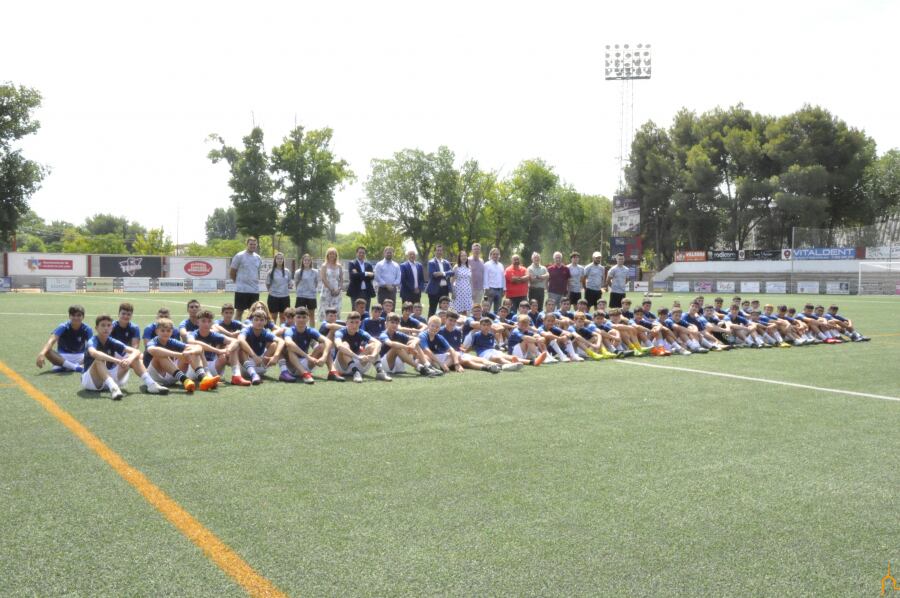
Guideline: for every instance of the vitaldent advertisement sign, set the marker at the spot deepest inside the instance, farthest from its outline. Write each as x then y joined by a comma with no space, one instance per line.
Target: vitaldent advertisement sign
825,253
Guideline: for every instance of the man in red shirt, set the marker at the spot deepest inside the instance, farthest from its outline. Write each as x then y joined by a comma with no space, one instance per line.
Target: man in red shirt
558,285
516,281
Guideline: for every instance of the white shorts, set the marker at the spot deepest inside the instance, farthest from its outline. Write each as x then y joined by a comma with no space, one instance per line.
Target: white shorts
260,369
399,365
362,367
164,378
303,361
210,368
443,358
488,353
517,352
76,358
87,382
579,351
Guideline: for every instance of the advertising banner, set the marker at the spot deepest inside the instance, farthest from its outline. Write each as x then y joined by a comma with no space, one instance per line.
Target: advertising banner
5,284
123,266
661,286
825,253
725,286
630,247
749,286
776,287
205,285
171,285
722,255
759,254
61,284
46,264
703,286
214,268
641,286
681,286
626,217
136,285
230,286
690,256
883,252
837,288
98,285
808,287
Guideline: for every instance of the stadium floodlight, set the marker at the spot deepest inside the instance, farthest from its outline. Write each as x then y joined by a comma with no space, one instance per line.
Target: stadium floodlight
624,62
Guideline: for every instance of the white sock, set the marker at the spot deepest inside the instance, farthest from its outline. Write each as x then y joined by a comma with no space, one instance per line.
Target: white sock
147,379
70,365
111,385
777,336
705,342
571,350
822,336
768,339
282,363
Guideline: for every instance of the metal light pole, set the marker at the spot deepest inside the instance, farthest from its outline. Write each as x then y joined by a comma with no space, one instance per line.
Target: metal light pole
625,63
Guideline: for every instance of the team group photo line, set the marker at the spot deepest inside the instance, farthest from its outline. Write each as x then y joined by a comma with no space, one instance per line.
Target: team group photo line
481,315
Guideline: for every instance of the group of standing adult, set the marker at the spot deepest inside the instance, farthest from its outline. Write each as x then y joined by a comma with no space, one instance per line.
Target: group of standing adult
468,280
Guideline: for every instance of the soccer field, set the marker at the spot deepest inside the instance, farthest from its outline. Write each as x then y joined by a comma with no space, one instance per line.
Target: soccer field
617,478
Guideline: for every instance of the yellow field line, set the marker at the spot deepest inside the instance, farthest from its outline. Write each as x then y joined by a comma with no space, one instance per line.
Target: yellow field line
216,550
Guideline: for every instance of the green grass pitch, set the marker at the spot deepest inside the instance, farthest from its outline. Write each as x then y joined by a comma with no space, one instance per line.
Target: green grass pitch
569,479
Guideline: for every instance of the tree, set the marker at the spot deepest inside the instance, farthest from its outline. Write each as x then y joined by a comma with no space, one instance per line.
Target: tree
400,191
583,223
307,174
533,185
108,224
154,242
380,234
503,216
221,224
19,177
251,185
882,180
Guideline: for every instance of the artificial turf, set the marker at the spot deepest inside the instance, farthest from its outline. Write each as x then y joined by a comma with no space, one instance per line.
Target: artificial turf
570,479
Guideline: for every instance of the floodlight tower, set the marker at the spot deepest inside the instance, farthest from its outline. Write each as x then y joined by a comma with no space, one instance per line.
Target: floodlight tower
625,63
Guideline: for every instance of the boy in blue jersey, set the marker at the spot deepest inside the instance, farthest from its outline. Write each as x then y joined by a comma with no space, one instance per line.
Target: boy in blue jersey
359,306
331,324
108,362
437,350
190,323
675,334
739,327
306,348
481,340
150,329
218,350
693,319
845,325
454,334
558,340
418,315
527,345
357,351
260,348
375,323
782,326
714,325
124,330
399,349
587,339
634,337
71,339
167,359
408,324
610,338
627,313
818,327
534,312
227,325
790,314
719,307
830,324
767,329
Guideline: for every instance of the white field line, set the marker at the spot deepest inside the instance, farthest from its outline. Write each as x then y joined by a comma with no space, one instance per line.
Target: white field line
763,380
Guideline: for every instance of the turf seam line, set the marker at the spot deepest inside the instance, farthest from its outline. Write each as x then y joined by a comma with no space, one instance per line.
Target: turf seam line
217,551
764,380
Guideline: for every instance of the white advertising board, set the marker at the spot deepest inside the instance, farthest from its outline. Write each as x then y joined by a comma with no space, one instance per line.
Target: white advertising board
837,288
46,264
681,286
641,286
725,286
140,284
205,285
749,286
808,287
214,268
61,284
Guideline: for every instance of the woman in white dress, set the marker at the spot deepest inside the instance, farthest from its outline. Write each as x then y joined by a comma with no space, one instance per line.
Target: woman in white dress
462,284
332,276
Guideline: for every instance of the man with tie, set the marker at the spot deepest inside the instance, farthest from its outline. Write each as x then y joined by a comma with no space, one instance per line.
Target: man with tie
387,277
362,276
439,272
412,279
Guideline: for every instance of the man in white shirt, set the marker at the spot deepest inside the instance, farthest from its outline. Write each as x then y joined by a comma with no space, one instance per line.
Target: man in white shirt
617,281
244,272
387,276
576,272
494,280
593,278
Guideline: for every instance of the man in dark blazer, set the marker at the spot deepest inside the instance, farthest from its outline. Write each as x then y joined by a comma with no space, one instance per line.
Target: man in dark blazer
362,275
439,272
412,279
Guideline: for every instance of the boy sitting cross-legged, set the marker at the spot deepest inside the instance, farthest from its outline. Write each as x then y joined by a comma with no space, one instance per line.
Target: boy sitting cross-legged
306,348
167,359
108,362
453,334
398,350
525,344
71,339
260,348
218,349
357,351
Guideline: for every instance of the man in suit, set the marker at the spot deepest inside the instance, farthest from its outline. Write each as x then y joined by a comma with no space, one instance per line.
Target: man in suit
412,279
439,271
362,276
